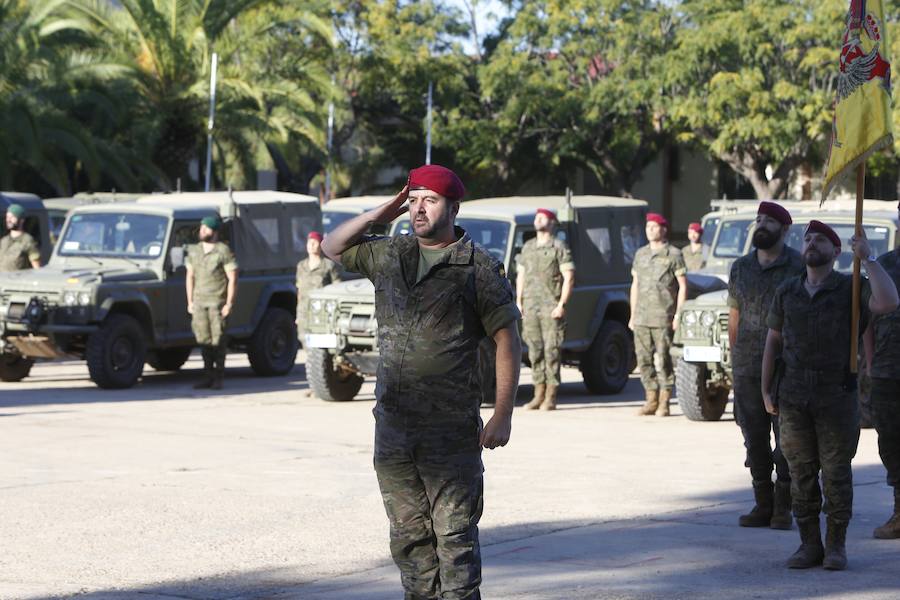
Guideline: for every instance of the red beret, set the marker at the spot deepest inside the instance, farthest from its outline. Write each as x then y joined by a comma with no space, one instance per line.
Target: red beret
437,179
776,211
820,227
657,218
695,227
546,212
314,235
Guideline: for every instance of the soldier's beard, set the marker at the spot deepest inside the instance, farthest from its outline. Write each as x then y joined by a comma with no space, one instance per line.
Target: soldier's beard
206,238
814,258
764,239
426,229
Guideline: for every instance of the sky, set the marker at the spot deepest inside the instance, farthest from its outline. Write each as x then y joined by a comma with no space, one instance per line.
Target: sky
488,15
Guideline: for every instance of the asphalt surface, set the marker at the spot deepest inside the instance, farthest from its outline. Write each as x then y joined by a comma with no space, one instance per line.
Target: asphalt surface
258,491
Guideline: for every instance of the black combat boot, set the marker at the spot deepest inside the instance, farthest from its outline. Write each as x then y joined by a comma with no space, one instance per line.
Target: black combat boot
761,514
891,529
810,553
218,368
835,540
781,513
207,380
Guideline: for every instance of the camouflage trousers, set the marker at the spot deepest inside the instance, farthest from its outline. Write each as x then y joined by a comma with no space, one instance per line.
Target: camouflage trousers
208,324
886,418
544,337
430,476
658,340
822,438
758,427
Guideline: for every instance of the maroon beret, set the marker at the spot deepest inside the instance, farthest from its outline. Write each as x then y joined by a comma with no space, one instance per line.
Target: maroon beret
314,235
695,227
547,213
657,218
437,179
820,227
776,211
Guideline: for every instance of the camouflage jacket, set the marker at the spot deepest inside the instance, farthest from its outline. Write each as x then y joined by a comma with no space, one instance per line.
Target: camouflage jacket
544,265
429,332
693,261
309,279
886,362
816,337
750,290
209,268
17,253
655,274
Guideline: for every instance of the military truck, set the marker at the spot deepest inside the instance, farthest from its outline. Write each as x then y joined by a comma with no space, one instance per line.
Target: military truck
36,219
702,352
113,293
603,232
339,210
58,208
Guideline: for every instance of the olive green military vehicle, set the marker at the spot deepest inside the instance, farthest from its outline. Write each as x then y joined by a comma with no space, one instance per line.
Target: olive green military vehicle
603,233
701,351
339,210
113,292
58,208
37,223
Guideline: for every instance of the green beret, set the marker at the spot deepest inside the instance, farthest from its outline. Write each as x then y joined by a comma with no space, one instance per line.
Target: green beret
212,222
16,210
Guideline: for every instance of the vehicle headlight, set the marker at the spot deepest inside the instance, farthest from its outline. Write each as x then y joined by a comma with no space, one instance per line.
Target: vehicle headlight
707,318
689,318
316,305
70,298
84,298
331,306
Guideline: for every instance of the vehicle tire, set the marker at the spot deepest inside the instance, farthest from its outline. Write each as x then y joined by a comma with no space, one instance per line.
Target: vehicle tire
698,402
14,367
273,347
116,352
607,363
328,383
168,359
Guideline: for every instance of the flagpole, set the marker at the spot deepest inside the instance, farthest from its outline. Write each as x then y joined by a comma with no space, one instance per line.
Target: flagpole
854,323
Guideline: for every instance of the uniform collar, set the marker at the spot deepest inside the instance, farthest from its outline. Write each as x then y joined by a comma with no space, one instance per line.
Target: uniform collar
832,282
782,259
460,253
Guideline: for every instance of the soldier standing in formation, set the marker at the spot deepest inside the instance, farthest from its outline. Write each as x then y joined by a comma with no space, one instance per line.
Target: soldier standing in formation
211,284
751,285
884,368
437,295
693,252
658,281
816,399
18,250
313,272
546,275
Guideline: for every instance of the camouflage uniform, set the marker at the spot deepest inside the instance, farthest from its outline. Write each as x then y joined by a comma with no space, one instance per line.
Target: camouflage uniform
885,373
816,397
655,274
544,266
427,424
693,261
309,279
750,290
210,293
16,254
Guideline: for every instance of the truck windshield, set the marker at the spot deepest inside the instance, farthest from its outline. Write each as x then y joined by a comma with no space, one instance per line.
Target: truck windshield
878,235
732,238
492,235
129,235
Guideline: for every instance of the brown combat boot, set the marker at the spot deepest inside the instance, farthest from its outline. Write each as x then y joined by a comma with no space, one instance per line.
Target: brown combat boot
891,529
207,380
761,513
781,512
651,402
663,409
835,545
538,399
550,398
810,553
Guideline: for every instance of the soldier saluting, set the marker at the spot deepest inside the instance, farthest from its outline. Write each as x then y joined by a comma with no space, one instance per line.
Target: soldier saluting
437,296
18,250
809,326
211,284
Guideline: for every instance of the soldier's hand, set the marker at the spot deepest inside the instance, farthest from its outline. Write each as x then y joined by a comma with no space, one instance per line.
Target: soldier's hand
190,308
558,313
496,432
860,246
387,212
675,323
226,310
631,324
771,408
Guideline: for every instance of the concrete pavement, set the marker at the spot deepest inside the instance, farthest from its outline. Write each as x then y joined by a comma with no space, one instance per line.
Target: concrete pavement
257,491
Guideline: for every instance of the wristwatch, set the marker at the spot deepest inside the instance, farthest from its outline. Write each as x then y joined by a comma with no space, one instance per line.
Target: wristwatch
871,258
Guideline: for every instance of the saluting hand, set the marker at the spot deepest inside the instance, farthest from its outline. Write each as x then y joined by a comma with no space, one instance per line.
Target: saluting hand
496,432
387,212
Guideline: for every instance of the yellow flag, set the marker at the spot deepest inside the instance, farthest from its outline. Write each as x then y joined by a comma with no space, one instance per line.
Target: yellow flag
862,106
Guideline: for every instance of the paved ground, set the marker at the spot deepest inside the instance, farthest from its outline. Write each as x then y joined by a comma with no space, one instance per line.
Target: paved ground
162,492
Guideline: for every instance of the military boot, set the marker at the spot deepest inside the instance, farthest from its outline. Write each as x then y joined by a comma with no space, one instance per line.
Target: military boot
761,513
781,512
663,409
891,529
218,369
538,399
651,402
810,553
835,549
550,398
206,382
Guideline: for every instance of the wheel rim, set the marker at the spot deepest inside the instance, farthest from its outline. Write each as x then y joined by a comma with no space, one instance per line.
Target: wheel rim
614,358
122,354
278,343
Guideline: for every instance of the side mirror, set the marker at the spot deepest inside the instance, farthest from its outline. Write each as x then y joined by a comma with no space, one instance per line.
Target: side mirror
176,258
